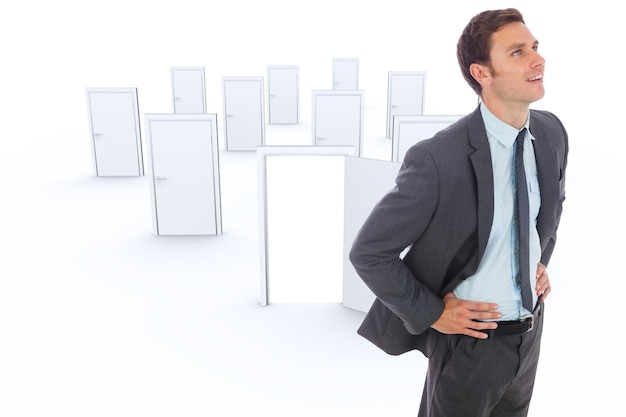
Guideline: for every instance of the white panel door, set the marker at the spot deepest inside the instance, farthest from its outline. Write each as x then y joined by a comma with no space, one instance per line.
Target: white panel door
366,181
283,94
345,73
338,118
188,90
405,95
184,169
113,115
244,113
408,130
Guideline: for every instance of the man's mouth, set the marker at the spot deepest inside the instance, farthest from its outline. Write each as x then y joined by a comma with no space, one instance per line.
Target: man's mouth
535,78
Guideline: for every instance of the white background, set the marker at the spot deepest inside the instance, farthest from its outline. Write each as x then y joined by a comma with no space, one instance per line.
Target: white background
100,318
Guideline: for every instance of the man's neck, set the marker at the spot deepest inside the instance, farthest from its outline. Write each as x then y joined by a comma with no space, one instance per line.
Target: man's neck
509,113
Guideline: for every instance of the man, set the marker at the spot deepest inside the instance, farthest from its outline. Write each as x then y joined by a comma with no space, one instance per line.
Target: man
458,293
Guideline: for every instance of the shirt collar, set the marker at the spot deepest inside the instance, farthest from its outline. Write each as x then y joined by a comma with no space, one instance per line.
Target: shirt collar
501,131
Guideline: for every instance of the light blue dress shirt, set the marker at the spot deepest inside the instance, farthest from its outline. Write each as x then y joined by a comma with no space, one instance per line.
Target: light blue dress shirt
494,280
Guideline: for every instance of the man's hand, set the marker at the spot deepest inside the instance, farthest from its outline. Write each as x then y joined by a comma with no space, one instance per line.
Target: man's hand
542,285
464,317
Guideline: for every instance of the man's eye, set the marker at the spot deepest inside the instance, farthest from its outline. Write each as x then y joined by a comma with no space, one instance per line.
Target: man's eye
535,47
517,52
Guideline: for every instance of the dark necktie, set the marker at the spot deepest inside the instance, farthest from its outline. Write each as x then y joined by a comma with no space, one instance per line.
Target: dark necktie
521,191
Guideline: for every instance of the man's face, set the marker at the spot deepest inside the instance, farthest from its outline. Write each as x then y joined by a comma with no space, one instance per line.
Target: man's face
516,66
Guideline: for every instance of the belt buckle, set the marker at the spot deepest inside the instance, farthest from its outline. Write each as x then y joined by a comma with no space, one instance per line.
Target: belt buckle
532,321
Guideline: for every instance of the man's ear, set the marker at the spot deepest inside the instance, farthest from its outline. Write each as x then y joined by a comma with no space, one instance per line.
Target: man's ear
480,73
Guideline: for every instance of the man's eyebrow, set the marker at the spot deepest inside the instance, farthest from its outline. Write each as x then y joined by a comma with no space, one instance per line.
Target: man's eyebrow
521,45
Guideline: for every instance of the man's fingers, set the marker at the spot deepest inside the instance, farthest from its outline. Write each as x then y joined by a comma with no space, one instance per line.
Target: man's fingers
478,311
486,315
477,326
480,306
476,334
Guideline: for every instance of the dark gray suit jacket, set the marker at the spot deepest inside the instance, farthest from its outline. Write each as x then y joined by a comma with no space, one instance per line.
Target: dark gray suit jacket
442,208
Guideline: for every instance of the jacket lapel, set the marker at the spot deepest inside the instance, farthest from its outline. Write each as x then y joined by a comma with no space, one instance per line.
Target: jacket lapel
483,170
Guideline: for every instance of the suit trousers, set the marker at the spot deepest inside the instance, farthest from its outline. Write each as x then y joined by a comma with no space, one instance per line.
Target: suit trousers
469,377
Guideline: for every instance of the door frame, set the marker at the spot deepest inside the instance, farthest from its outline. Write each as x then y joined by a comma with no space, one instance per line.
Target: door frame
263,152
335,60
390,75
225,110
269,101
338,93
184,117
135,99
415,119
174,98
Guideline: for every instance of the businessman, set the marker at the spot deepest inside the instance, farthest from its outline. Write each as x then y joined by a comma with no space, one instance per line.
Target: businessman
475,211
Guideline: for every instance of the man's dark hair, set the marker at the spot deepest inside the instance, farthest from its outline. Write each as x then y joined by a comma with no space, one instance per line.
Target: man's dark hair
474,45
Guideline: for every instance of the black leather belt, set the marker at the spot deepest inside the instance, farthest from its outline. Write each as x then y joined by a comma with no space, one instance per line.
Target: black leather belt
514,327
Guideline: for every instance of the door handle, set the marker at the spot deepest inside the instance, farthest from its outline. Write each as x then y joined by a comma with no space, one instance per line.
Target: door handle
177,98
158,181
320,138
230,115
98,134
393,106
272,95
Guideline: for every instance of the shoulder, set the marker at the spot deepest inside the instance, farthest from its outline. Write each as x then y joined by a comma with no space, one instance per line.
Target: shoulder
451,140
543,119
546,124
543,115
550,130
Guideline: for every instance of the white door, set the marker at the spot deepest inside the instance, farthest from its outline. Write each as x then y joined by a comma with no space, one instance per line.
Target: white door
184,169
338,118
188,90
244,110
408,130
366,181
405,95
115,134
283,94
345,73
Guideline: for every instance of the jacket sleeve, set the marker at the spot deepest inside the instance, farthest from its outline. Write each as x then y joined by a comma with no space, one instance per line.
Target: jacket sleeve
398,220
562,149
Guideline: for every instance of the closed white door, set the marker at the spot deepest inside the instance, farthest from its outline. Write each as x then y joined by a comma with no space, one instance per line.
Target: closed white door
338,118
244,113
405,95
408,130
184,174
282,86
345,74
115,135
188,90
